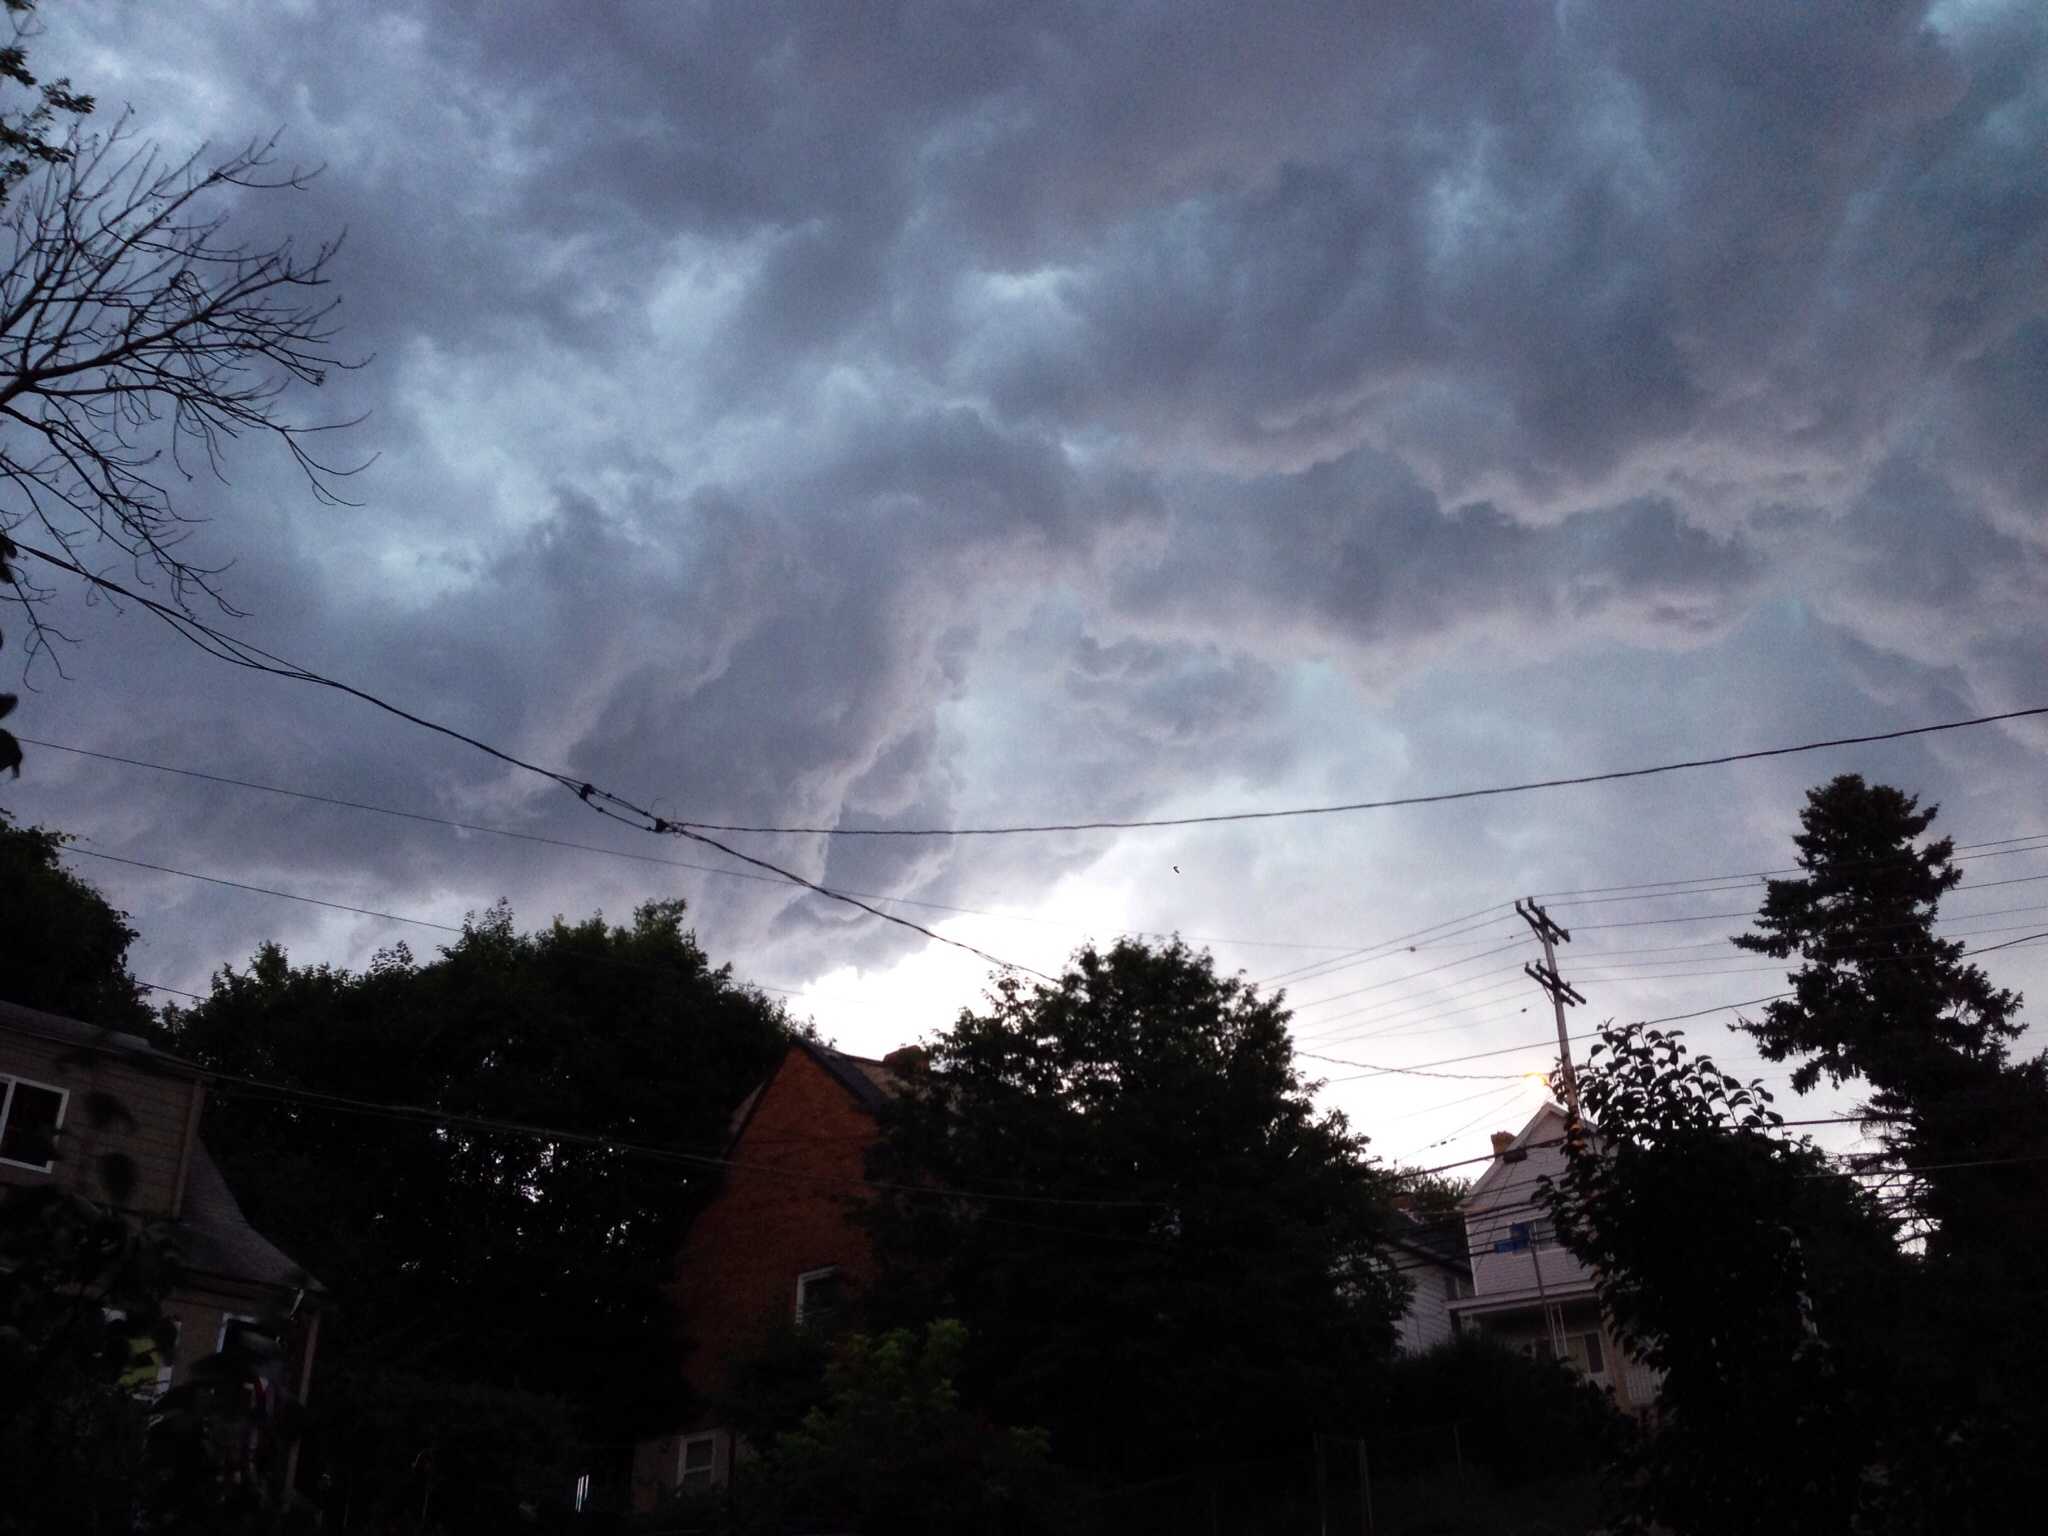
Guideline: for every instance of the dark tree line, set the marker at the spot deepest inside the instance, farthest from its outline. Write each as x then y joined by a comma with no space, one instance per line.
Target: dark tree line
1844,1350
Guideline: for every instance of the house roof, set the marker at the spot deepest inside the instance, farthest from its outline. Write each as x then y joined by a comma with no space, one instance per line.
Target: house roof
218,1239
1544,1133
871,1083
57,1028
1439,1242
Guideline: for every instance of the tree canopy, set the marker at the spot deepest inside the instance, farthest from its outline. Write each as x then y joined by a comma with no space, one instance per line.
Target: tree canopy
1212,1278
467,1254
63,946
1843,1347
1880,997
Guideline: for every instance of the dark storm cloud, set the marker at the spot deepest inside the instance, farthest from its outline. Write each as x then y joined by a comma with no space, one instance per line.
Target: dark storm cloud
912,413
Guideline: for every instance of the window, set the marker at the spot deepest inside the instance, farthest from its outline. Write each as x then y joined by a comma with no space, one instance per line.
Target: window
582,1493
30,1116
232,1326
819,1295
1596,1358
1523,1235
697,1463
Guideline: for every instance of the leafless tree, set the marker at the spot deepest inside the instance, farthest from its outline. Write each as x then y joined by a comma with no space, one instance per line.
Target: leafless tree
138,338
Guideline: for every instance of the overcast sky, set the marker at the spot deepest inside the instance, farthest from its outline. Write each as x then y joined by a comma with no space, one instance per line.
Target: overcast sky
883,415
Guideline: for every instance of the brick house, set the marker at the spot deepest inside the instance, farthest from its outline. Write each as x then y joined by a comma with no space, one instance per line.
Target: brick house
231,1276
777,1244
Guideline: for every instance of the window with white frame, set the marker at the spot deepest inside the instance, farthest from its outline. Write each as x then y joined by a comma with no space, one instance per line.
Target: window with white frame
31,1114
697,1462
819,1294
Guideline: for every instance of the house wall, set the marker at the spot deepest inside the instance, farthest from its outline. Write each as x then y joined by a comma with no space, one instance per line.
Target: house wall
788,1209
160,1106
1427,1322
1497,1273
736,1275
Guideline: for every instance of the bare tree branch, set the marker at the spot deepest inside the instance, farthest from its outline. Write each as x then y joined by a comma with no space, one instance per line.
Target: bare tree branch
139,340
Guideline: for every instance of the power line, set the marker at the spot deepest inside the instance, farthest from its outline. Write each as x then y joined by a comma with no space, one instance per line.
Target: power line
1372,1070
254,658
1395,981
394,917
1438,798
1964,852
622,853
260,890
1368,950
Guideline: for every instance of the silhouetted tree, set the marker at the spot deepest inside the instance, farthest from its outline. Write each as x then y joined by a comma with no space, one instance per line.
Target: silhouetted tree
1821,1373
891,1447
63,946
1228,1292
1880,997
1756,1278
457,1253
140,338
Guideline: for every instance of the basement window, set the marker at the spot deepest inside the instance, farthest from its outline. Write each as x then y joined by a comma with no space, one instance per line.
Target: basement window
819,1295
697,1463
30,1116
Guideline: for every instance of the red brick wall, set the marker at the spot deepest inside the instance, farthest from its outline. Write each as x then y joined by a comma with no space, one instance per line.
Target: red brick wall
738,1269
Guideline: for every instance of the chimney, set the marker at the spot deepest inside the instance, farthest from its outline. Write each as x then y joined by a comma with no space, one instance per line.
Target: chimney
908,1061
1502,1140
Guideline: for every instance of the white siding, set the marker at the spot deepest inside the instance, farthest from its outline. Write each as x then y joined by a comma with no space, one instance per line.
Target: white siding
1427,1322
1495,1274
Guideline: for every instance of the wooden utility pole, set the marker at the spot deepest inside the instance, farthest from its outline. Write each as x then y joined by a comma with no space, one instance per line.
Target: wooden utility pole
1561,991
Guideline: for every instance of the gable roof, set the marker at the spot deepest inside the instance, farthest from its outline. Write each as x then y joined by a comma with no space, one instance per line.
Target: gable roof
60,1030
1544,1131
218,1239
868,1082
1441,1243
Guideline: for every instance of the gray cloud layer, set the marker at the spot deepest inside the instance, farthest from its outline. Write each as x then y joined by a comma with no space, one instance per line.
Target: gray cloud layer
904,413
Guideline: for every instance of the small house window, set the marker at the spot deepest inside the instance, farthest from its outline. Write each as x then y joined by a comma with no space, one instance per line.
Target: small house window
30,1116
696,1463
819,1296
583,1493
1523,1235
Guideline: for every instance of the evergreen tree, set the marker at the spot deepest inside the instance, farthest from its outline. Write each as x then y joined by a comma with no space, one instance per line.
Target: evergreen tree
1882,998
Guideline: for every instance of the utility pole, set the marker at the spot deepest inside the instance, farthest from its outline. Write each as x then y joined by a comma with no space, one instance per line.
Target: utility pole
1561,991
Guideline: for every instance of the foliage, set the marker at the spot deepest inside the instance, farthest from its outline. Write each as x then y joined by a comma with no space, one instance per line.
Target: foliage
466,1254
25,134
1757,1282
468,1457
1819,1373
220,1440
891,1448
774,1380
1519,1419
81,1291
84,1446
63,948
1881,997
1214,1281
